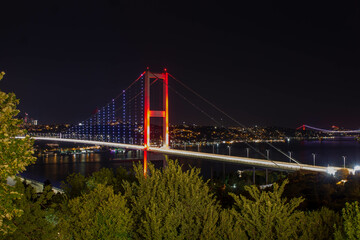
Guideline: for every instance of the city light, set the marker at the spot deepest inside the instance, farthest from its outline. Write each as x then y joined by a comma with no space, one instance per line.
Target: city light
356,168
331,170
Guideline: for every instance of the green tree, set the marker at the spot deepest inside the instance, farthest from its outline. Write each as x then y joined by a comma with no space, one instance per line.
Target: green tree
15,155
351,222
171,204
319,224
99,214
38,220
104,176
74,185
267,215
228,227
121,175
318,189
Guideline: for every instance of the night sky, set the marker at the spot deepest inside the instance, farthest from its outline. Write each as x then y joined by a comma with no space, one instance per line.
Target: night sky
272,63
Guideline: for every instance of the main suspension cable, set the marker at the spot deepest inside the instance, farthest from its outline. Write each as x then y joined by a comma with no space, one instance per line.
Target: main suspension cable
213,119
231,118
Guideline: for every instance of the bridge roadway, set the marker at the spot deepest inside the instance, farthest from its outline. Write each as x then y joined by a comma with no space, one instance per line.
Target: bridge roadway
210,156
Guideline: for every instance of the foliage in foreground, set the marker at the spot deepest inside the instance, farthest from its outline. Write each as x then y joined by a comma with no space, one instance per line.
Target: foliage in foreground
318,224
99,214
15,155
351,222
172,204
38,214
267,215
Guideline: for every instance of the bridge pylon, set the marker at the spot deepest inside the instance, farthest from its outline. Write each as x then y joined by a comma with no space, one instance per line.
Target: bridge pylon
148,113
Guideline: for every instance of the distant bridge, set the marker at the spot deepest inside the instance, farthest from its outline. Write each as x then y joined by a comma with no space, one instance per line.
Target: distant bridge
304,127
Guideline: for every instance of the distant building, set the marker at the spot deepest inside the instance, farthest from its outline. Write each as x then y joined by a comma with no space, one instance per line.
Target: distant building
33,122
30,121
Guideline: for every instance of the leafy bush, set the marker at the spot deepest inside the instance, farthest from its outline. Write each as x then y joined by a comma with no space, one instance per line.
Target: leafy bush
267,215
99,214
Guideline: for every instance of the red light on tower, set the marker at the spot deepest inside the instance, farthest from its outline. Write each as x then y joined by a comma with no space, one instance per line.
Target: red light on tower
301,127
166,118
148,113
145,162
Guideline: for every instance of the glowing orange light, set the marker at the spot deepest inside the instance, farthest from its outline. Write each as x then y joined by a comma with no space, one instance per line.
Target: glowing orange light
166,110
157,114
148,127
145,162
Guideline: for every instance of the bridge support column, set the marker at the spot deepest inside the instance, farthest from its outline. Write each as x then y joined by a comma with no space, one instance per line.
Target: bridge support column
164,113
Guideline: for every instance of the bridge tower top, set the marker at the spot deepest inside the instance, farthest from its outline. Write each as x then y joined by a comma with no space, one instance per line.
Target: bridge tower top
148,113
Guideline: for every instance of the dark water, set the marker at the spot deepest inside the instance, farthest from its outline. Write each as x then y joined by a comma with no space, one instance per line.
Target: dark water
56,167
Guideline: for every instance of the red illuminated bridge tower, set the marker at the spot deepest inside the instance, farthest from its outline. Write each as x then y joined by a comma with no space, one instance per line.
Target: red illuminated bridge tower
148,113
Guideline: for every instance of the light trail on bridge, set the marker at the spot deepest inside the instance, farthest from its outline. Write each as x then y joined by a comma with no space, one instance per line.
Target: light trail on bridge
210,156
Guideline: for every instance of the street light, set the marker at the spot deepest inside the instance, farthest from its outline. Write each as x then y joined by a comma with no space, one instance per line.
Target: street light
290,156
314,155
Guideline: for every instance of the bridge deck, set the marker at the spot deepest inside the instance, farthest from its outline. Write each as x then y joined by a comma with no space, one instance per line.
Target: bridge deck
210,156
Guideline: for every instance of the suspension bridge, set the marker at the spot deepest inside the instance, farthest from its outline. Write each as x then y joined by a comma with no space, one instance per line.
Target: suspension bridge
124,122
307,127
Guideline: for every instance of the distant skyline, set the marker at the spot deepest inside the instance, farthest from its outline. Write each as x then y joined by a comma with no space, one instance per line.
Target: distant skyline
264,63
